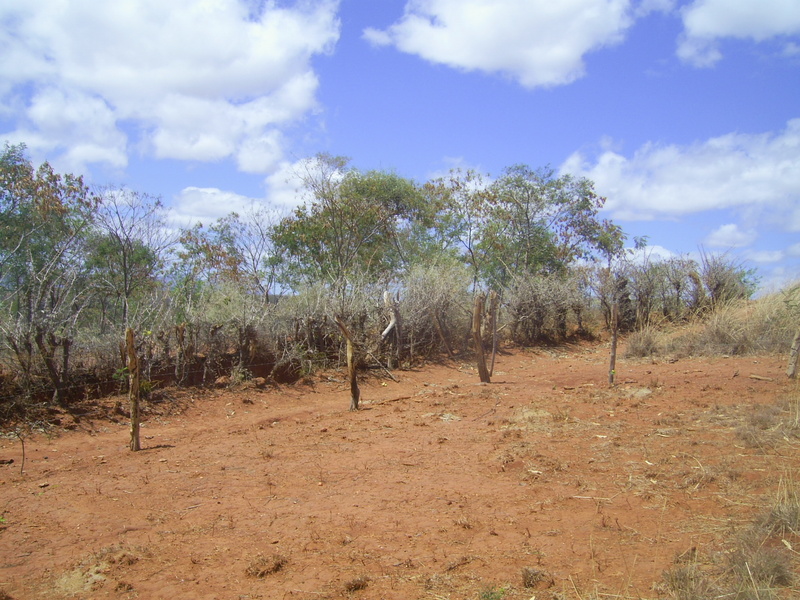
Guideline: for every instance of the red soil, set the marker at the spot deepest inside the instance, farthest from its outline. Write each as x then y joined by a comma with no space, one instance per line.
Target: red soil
441,487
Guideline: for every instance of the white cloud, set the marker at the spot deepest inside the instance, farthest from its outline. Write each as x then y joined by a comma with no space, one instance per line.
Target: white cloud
707,21
536,42
284,186
776,280
200,80
205,205
766,256
730,236
756,171
645,7
651,254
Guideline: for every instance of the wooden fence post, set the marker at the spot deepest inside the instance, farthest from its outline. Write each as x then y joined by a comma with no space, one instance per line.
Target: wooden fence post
477,315
355,393
494,303
612,367
133,391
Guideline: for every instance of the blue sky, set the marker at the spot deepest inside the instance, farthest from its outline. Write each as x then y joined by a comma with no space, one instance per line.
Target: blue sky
686,114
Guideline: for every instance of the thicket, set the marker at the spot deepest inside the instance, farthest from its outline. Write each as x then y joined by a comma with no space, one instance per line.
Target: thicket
257,294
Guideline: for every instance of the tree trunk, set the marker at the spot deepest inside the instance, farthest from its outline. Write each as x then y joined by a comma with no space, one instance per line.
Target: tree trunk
48,351
477,315
612,367
355,393
393,326
180,354
794,356
133,392
494,302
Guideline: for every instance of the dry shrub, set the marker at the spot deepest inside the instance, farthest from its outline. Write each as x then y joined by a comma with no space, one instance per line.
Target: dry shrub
762,428
532,578
757,565
359,583
261,566
689,582
540,308
643,343
304,325
435,307
783,516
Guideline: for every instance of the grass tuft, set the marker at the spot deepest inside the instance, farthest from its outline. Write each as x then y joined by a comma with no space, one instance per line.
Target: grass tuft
359,583
261,566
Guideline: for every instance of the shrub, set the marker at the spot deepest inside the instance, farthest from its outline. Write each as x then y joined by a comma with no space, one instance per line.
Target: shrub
539,308
435,308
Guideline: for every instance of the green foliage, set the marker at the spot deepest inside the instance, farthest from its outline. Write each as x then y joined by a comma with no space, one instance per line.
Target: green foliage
352,223
461,202
492,593
234,249
540,223
526,222
44,217
77,268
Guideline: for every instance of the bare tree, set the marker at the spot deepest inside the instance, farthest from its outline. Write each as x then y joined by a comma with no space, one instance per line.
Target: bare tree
131,240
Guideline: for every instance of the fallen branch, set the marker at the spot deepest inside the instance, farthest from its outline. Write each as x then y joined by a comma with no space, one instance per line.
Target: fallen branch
380,364
391,400
760,378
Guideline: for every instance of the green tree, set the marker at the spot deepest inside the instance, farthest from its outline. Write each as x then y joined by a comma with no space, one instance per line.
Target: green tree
541,223
460,203
352,223
44,217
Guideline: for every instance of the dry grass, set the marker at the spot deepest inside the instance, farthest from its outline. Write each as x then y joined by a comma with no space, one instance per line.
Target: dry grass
359,583
261,566
732,328
757,563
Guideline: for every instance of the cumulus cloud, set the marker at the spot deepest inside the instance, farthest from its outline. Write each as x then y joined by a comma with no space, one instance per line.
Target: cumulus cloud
536,42
189,80
195,205
707,21
652,254
745,171
285,187
730,236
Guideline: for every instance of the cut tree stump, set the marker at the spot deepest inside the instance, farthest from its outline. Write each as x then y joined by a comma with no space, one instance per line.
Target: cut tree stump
355,393
133,391
477,315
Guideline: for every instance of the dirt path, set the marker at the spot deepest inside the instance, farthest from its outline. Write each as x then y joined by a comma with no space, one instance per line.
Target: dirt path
440,488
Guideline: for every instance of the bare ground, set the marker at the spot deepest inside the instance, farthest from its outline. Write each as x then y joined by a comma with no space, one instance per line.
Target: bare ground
545,483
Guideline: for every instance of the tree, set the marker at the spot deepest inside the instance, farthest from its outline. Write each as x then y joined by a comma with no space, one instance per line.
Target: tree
127,249
540,223
350,223
44,218
234,249
225,275
460,201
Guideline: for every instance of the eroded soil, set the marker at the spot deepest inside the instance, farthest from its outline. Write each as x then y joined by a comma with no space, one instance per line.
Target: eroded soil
440,487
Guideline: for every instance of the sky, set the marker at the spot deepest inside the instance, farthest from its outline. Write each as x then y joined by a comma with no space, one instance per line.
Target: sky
685,113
